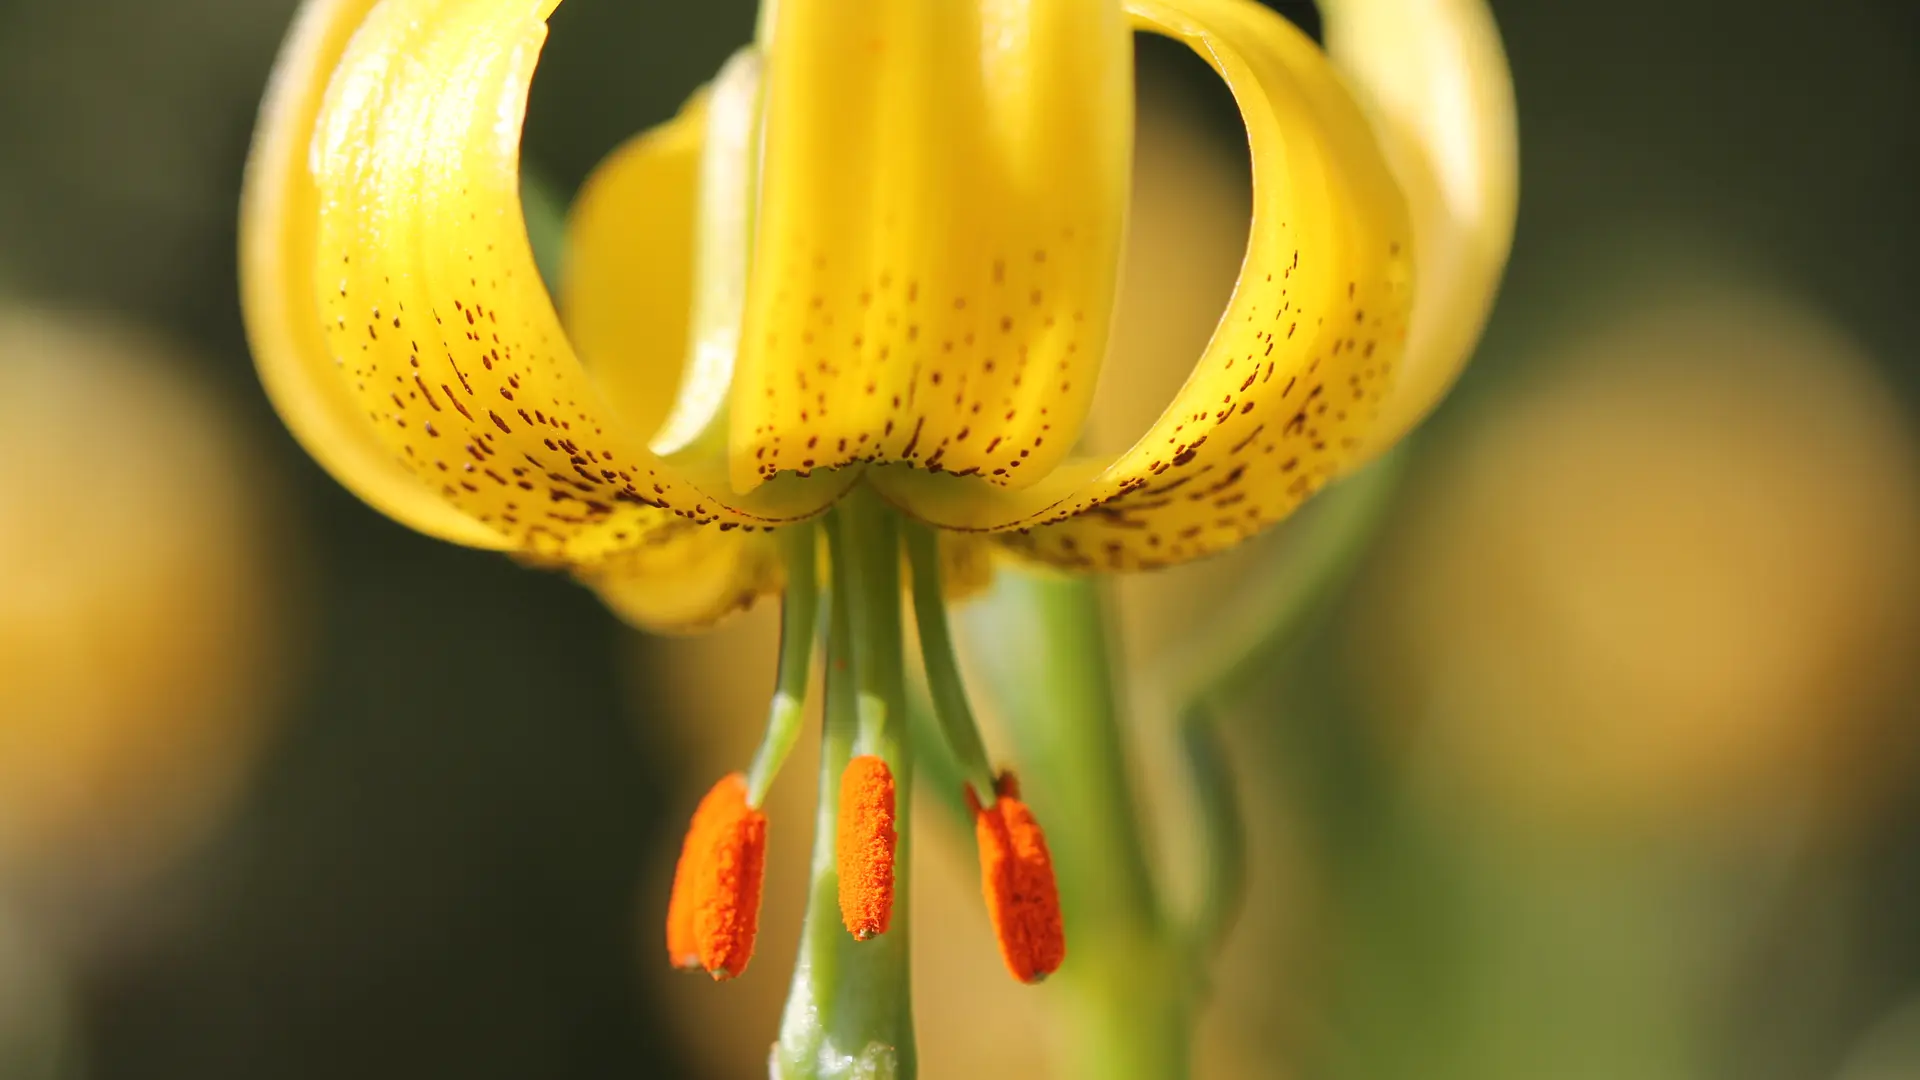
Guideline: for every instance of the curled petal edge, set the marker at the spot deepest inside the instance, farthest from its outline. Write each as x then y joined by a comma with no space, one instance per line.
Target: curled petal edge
1292,382
1435,79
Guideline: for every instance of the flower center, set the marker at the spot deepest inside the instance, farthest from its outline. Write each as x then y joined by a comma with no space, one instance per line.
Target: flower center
852,972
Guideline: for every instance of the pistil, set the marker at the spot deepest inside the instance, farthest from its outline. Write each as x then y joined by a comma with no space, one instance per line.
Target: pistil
849,1012
865,846
713,915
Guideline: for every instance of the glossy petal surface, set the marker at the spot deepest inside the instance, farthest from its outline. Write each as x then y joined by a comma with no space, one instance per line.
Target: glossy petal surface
628,284
687,577
1309,345
436,326
401,326
434,313
1434,77
279,206
944,191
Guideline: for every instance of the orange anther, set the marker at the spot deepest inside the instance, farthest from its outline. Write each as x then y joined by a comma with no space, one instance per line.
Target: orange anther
683,949
1016,875
714,912
864,846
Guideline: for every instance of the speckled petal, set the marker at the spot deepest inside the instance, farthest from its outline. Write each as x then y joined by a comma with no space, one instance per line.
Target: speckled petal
1434,77
436,325
942,204
278,207
1307,348
434,312
625,295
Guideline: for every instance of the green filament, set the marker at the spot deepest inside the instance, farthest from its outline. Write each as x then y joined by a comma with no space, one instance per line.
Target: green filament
950,705
799,611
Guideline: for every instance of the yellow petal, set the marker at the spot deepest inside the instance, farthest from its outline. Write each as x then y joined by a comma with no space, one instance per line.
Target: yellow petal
433,309
436,323
628,283
279,208
942,201
1434,77
729,174
1308,346
657,254
966,564
655,279
686,577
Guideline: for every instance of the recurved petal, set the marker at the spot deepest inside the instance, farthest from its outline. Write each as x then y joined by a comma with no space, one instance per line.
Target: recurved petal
1287,389
627,286
279,212
436,328
942,204
1434,77
686,577
966,564
435,314
658,245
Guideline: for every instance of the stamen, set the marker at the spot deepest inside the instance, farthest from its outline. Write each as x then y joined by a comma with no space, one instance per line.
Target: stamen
944,684
714,913
799,613
1016,875
865,846
683,949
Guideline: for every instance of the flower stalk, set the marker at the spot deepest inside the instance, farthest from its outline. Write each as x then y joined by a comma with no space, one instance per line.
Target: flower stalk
1042,645
849,1011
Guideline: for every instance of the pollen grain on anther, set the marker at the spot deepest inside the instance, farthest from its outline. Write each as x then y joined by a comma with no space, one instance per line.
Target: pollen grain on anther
865,846
1016,877
713,915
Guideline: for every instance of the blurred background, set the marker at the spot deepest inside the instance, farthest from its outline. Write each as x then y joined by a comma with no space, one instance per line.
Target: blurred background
1604,764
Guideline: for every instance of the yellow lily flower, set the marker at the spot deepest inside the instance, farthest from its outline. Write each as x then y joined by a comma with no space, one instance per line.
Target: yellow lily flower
867,274
932,267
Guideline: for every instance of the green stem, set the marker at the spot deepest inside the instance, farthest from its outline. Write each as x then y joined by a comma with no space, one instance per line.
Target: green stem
798,1052
1041,643
849,1012
1315,555
950,708
934,765
1222,833
799,614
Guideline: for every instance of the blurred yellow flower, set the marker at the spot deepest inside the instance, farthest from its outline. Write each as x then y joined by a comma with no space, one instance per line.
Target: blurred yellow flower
1672,581
137,630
